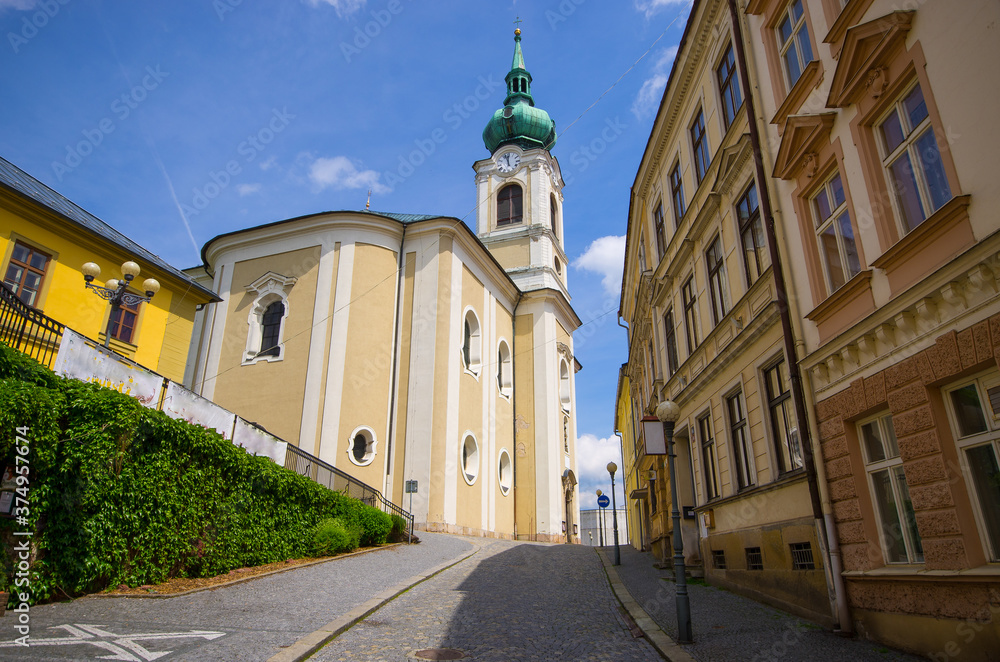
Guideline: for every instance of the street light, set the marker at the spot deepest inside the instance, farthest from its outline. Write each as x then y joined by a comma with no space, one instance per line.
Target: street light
612,468
116,292
668,412
600,522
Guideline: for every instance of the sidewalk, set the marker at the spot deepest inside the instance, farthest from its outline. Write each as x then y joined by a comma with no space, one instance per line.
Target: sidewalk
730,627
251,621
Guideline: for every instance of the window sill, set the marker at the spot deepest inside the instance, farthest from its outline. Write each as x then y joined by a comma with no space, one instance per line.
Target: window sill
811,76
850,303
945,234
915,571
120,346
267,359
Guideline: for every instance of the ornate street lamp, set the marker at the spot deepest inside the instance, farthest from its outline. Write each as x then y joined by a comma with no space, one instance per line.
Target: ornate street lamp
667,412
116,292
612,468
600,511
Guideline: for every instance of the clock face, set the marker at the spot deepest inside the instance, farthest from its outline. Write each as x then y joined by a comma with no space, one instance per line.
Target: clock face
508,162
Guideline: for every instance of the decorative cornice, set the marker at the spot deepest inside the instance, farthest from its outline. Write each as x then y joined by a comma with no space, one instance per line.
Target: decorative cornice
802,138
271,282
731,164
811,77
848,16
863,60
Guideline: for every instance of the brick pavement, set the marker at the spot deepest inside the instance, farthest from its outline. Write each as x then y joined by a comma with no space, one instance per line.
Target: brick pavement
509,602
731,627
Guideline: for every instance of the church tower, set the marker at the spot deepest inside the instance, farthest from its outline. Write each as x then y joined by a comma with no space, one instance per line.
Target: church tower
519,219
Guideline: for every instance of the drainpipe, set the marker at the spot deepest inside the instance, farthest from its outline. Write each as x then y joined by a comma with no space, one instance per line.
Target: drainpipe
824,528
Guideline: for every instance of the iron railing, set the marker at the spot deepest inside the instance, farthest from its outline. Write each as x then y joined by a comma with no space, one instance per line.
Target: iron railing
27,329
330,476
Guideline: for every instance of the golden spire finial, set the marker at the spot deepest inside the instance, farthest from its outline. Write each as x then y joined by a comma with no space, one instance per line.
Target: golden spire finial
368,204
517,22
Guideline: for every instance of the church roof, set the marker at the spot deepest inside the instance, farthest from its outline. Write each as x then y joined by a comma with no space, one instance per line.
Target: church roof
404,218
519,122
23,184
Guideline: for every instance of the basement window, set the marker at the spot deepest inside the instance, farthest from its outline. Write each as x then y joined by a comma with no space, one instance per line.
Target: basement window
802,556
755,561
719,559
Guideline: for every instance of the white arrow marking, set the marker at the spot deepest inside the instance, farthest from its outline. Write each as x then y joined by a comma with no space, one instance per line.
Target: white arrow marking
85,634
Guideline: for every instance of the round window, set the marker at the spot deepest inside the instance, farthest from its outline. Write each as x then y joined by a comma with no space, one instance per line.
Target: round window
361,446
505,472
470,459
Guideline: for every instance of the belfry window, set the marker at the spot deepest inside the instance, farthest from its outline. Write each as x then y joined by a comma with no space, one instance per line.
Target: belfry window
509,208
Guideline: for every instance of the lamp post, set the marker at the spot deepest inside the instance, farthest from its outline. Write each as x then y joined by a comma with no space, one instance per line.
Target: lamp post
668,412
612,468
116,291
600,522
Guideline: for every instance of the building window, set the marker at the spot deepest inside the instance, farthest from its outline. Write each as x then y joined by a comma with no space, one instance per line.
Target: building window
123,322
361,449
509,205
270,329
739,435
755,253
835,234
553,215
900,538
564,390
699,143
755,560
661,235
719,559
974,409
642,254
912,161
690,314
505,370
802,556
729,87
653,501
793,42
505,472
470,458
717,280
267,317
779,404
670,335
26,273
677,193
471,343
711,473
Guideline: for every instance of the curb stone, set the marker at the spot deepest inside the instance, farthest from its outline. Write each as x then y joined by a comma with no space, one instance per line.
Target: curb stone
666,646
313,641
239,580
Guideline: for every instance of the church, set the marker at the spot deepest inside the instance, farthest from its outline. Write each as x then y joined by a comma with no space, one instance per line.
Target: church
407,347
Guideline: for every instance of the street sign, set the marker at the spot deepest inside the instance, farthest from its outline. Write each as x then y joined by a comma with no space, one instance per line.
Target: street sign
411,487
603,501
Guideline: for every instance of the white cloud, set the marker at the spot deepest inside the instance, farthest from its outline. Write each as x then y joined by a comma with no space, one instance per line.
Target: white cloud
650,7
651,91
593,455
247,189
339,172
268,163
606,256
343,7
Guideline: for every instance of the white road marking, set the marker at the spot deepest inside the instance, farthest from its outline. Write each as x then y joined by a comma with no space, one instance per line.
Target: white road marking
120,644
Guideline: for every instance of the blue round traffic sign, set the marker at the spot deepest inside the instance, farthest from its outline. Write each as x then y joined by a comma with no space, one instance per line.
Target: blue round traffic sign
603,501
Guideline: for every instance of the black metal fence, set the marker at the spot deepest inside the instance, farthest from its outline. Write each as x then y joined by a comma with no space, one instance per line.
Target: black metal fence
330,476
28,330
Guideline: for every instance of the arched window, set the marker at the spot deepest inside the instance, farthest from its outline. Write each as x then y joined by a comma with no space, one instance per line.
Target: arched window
471,343
509,209
361,446
505,369
553,215
470,458
270,329
505,472
564,394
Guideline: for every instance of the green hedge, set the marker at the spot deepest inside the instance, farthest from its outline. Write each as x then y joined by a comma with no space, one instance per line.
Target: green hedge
123,494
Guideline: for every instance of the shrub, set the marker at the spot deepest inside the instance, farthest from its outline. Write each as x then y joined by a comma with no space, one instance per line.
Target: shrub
398,524
332,536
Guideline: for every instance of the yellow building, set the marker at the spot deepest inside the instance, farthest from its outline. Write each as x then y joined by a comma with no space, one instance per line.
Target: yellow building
702,303
45,239
885,166
403,347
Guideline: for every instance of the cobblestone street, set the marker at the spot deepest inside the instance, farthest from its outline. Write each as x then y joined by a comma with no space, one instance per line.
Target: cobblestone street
510,601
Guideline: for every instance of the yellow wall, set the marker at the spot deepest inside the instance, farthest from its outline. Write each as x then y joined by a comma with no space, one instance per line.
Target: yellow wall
442,349
504,423
524,426
238,387
470,414
163,331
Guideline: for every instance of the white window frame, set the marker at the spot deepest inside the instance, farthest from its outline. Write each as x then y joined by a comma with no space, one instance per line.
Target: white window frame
505,369
474,364
794,41
469,476
990,437
565,391
505,475
889,463
821,225
372,446
269,288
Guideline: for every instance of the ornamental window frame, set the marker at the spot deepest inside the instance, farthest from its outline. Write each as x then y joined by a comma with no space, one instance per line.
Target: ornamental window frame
472,343
505,369
505,472
469,456
269,289
514,214
362,434
565,390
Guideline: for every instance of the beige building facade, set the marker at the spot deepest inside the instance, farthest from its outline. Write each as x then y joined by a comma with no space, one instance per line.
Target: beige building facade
884,155
701,301
403,347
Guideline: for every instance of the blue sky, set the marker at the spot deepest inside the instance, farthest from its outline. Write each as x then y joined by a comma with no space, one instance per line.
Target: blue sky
178,121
